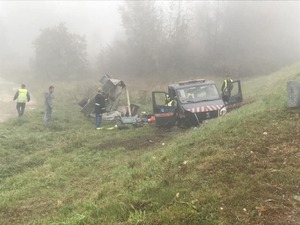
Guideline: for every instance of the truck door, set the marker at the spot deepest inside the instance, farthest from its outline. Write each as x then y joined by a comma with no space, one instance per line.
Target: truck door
165,115
236,96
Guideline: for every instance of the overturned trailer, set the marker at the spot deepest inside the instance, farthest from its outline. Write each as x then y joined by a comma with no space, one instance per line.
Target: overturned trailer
112,90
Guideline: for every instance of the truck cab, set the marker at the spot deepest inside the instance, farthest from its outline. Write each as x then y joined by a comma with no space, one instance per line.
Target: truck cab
193,102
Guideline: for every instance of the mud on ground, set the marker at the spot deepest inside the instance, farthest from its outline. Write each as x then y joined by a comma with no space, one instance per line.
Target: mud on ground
139,142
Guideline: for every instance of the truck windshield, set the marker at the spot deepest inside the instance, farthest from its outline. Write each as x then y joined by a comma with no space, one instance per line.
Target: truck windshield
198,93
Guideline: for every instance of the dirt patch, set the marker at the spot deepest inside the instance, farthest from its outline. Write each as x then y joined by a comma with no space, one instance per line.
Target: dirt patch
137,142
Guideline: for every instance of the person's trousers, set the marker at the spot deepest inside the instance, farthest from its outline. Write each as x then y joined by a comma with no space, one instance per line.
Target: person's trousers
48,117
98,119
20,108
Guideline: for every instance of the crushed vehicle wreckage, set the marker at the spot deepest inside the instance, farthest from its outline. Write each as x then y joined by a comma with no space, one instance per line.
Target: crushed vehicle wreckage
189,103
186,104
112,90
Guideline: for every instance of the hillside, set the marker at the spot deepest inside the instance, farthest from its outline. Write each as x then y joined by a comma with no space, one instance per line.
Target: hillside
243,168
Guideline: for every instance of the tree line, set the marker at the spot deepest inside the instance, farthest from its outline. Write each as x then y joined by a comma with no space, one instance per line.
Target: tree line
181,39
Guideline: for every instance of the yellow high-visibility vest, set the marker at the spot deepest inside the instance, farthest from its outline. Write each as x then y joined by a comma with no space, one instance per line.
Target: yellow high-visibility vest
22,97
225,81
170,103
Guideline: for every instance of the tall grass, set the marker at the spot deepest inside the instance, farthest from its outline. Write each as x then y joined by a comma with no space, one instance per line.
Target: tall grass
242,168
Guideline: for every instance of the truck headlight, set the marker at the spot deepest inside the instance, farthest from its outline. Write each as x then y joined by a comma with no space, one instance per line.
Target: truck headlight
222,111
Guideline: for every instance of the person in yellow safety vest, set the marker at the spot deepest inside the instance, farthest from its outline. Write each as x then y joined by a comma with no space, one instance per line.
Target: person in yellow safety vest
190,95
171,102
22,96
167,99
226,89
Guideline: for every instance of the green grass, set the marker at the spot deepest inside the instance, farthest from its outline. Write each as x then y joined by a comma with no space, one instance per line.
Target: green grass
242,168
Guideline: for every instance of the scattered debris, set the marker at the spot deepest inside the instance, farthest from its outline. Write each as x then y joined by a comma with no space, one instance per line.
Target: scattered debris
297,197
112,90
261,208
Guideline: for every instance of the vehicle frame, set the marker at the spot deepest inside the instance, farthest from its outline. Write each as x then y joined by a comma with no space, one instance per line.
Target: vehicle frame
201,107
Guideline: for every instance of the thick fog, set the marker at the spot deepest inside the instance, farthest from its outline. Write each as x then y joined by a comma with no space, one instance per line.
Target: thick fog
21,22
149,38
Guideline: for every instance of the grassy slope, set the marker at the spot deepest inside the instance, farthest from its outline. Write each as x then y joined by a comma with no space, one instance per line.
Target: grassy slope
243,168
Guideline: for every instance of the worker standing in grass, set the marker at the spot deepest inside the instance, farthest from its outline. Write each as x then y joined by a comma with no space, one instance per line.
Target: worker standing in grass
99,107
22,96
226,89
49,96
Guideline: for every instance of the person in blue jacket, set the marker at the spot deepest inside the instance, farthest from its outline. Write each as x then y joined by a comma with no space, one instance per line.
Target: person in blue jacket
49,96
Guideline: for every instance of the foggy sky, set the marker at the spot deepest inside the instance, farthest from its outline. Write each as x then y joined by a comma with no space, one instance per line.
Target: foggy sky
100,22
21,22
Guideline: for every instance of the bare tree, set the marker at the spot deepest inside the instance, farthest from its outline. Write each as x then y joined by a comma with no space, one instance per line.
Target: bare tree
142,24
217,37
176,30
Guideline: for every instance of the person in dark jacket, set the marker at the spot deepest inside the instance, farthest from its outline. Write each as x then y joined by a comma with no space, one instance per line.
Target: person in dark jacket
99,107
22,96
